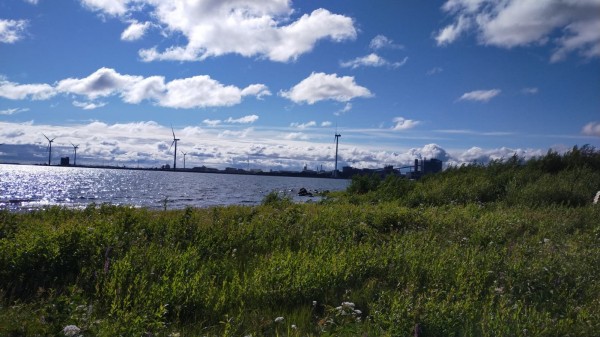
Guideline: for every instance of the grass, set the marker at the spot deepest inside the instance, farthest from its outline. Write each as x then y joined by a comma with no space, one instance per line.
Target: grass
500,250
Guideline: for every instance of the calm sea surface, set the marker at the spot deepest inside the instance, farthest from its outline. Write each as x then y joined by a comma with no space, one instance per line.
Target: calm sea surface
29,187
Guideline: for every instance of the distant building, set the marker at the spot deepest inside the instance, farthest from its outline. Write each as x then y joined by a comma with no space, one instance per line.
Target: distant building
64,161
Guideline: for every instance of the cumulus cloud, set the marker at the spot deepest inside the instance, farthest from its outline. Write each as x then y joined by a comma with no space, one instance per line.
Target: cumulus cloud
480,95
13,111
381,41
482,156
320,86
12,31
148,142
401,124
267,29
186,93
135,31
110,7
372,60
16,91
102,83
591,129
326,123
569,25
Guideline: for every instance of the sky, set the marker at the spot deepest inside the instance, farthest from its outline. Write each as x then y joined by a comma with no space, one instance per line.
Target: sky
267,84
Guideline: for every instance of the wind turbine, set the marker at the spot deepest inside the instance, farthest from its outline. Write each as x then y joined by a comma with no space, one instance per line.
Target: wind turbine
175,140
49,148
184,154
75,147
337,137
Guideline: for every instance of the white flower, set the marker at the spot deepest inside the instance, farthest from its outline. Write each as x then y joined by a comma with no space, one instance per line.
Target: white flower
294,327
597,198
314,303
279,319
358,312
348,305
71,330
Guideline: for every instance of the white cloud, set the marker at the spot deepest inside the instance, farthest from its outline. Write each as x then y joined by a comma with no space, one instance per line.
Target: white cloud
12,31
103,82
193,92
242,120
372,60
569,25
451,32
321,86
381,41
16,91
249,119
148,142
591,129
404,124
482,156
13,111
267,29
296,136
200,92
33,2
135,31
111,7
303,125
258,90
326,124
212,122
89,105
236,134
480,95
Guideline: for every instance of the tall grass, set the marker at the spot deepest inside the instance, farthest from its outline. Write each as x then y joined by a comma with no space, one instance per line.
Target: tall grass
483,261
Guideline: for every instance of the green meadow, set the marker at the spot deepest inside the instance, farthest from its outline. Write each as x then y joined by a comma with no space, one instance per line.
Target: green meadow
507,249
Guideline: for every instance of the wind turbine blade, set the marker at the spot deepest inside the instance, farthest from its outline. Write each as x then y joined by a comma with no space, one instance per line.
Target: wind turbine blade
46,137
171,145
173,132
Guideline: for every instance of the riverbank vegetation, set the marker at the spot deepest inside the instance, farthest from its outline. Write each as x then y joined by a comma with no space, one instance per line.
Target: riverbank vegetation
506,249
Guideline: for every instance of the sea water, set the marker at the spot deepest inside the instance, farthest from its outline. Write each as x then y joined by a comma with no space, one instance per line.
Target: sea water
24,187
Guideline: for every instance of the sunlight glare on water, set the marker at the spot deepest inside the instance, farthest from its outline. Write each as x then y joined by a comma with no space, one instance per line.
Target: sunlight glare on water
29,187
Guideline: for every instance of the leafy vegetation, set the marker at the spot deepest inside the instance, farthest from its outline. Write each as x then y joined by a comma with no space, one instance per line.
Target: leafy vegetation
500,250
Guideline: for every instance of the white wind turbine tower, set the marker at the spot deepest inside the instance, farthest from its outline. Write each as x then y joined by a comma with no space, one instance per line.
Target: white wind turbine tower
184,154
175,140
49,148
337,136
75,147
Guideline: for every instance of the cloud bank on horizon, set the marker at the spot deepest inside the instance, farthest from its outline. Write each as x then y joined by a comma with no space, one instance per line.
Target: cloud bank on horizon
273,79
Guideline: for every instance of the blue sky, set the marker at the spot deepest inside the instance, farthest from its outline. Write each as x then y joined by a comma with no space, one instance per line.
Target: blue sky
268,82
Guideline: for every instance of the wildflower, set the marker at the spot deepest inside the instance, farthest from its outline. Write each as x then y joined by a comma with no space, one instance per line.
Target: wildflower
348,305
71,330
279,319
314,303
358,312
597,198
546,240
294,327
